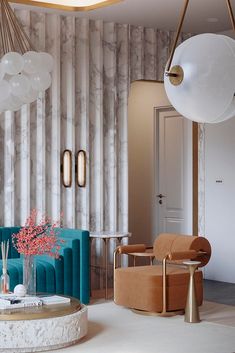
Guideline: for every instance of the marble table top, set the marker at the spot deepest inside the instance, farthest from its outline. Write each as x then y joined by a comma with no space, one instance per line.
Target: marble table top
109,234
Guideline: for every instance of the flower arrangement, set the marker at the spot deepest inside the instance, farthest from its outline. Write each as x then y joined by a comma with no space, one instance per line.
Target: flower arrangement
37,238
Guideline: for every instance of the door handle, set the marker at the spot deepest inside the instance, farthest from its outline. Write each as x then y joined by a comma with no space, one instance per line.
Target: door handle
161,196
160,202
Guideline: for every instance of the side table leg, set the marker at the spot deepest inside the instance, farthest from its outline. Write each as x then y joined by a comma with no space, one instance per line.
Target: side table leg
106,266
191,309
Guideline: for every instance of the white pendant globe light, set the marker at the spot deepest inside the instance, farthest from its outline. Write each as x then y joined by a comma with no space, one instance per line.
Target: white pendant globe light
208,85
200,76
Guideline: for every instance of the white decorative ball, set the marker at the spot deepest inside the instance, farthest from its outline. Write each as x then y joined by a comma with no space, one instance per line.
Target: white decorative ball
20,85
5,90
12,63
20,290
31,62
40,81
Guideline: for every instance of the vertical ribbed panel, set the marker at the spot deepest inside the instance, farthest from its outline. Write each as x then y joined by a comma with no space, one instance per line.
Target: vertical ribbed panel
123,81
96,126
68,109
201,179
109,126
137,52
23,172
9,172
82,118
163,50
85,108
53,121
150,53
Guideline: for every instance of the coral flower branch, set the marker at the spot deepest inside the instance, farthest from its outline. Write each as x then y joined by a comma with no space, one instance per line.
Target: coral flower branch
37,238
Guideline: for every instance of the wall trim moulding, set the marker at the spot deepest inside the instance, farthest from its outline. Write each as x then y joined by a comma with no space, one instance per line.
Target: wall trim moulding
60,4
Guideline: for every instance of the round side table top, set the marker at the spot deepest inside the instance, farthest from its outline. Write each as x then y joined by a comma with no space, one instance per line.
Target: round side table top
109,235
188,263
142,254
41,312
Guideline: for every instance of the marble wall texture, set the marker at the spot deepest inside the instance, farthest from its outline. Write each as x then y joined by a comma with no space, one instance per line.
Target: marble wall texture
85,108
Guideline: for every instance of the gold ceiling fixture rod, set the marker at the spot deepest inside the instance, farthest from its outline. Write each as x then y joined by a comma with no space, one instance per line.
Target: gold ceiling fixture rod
12,36
230,10
176,73
61,7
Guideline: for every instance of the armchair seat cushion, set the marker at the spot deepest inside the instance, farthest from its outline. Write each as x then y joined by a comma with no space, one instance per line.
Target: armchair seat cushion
141,287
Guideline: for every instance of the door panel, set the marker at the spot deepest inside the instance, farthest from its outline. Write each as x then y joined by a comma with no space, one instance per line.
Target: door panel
174,195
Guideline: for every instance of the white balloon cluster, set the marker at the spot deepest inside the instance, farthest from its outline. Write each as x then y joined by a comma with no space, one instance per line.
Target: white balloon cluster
23,77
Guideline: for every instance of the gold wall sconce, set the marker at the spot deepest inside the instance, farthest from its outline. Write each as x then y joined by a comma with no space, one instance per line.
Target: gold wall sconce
66,168
81,168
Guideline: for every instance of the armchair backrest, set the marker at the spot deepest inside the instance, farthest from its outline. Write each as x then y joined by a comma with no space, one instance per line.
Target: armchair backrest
167,243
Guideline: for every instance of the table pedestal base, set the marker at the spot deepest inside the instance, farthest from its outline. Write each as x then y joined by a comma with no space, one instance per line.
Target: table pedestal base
43,334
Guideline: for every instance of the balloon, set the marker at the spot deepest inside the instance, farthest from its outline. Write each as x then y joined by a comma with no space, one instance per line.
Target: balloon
13,103
31,62
208,86
40,81
5,90
45,62
30,97
12,63
20,85
2,71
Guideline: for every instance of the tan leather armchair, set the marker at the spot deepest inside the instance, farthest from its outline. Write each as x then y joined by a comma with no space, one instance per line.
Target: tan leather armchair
161,288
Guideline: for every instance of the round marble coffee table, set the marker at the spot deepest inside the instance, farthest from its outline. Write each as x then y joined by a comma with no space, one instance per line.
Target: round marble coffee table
42,328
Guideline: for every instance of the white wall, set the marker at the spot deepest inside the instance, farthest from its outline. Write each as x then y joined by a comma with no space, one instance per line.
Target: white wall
144,96
220,199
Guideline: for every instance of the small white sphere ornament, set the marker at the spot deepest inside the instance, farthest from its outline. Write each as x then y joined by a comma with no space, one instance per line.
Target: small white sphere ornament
31,62
2,71
13,63
20,290
40,81
20,85
5,90
12,103
206,94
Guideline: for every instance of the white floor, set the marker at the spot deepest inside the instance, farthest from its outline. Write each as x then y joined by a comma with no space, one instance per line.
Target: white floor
113,329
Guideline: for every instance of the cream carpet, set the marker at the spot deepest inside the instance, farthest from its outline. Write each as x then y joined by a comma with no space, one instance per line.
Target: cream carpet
113,329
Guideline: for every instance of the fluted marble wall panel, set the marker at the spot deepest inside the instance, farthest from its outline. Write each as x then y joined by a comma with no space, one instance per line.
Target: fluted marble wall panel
85,108
201,179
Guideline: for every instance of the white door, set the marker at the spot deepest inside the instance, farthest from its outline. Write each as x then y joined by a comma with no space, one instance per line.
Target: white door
174,172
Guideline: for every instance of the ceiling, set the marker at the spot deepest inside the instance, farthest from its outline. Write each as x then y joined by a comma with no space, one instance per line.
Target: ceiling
164,14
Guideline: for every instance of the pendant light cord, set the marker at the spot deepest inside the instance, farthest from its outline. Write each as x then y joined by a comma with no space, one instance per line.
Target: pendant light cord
230,10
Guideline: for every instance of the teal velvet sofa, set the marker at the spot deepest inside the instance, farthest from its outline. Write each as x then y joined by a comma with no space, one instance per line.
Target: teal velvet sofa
68,275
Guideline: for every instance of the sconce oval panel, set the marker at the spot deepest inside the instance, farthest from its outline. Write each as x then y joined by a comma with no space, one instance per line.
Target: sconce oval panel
81,168
67,168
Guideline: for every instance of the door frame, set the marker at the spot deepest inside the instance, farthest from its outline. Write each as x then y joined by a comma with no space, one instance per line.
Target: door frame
157,111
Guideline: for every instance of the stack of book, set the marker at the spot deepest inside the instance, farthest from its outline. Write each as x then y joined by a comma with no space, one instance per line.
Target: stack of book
11,301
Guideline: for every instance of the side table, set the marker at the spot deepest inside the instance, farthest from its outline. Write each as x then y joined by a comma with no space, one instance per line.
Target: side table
147,254
191,309
106,236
